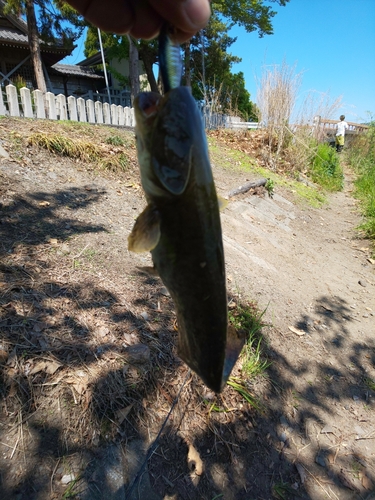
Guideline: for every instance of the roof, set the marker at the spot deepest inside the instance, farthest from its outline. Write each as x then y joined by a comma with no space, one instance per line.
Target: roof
92,60
13,33
74,70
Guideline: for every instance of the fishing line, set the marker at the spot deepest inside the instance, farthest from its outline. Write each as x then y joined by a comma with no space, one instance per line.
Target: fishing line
155,443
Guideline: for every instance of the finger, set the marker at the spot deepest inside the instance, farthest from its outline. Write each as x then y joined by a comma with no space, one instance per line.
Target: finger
118,17
188,16
147,22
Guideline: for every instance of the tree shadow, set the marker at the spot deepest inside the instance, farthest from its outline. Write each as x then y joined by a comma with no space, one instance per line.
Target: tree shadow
80,425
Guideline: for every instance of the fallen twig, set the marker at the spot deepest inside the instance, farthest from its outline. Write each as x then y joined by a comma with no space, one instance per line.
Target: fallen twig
246,187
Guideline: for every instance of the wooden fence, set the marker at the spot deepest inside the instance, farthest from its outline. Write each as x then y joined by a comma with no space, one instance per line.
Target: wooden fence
328,127
36,105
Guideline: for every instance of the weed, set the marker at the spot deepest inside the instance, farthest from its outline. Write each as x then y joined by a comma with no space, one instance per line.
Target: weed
325,168
356,468
282,490
238,385
370,384
64,146
115,140
249,320
361,157
270,187
69,492
239,161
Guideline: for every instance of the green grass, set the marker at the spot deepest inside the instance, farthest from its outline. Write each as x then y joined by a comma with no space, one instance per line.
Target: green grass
231,159
115,140
325,168
248,319
361,157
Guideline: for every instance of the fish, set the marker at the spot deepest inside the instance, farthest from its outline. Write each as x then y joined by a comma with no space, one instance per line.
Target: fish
181,228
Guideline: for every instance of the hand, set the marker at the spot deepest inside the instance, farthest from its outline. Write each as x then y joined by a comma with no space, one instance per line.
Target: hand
143,18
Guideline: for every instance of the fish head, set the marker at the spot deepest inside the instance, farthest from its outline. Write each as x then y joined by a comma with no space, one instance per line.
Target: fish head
166,129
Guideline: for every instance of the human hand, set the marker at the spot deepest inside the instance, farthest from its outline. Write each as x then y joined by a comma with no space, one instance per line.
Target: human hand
143,18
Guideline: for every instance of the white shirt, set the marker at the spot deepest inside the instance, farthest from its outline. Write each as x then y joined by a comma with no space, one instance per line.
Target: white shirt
341,127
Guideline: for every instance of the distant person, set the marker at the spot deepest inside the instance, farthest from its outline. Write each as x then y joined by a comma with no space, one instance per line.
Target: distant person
341,126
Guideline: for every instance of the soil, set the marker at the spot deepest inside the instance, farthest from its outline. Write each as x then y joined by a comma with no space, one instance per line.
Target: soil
89,369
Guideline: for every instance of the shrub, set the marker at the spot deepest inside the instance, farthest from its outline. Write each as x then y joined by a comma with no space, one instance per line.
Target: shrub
361,157
325,168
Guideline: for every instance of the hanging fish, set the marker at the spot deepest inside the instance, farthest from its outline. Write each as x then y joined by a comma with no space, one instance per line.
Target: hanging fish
181,224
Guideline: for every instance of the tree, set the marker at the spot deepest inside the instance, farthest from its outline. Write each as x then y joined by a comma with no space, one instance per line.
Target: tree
208,63
251,14
211,77
48,27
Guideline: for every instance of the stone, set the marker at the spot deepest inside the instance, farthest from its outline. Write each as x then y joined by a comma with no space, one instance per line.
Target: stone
139,353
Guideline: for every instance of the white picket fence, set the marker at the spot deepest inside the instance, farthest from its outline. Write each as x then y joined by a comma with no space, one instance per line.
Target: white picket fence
49,106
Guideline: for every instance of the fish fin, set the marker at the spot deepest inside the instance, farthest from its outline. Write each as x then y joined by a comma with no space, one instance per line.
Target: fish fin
145,234
174,171
222,202
151,271
235,342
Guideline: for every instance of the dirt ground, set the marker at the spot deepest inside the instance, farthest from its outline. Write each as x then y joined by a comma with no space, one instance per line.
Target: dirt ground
88,363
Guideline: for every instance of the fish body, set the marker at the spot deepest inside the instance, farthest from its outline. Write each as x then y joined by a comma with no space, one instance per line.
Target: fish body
181,227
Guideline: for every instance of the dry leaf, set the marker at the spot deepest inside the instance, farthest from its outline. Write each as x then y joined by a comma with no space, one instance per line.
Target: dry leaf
52,367
49,367
122,414
53,241
44,203
296,331
3,356
195,463
367,483
80,387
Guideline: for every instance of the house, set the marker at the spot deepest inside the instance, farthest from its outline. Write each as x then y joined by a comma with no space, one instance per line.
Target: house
80,80
15,61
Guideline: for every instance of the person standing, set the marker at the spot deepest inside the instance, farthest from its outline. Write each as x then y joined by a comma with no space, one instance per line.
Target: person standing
341,126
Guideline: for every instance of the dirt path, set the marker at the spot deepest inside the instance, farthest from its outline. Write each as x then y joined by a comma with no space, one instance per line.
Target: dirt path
71,295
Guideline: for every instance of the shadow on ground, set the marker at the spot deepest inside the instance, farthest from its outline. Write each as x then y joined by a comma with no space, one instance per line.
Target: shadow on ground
81,402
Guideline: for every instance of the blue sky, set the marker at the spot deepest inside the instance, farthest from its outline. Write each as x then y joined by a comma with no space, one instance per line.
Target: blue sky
331,42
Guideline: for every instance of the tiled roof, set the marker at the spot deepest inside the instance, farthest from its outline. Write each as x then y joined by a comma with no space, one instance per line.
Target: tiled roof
12,35
71,69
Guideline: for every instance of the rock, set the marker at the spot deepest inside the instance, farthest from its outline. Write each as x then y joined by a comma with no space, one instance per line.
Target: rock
145,315
327,429
284,422
68,478
164,291
139,353
362,283
320,459
3,153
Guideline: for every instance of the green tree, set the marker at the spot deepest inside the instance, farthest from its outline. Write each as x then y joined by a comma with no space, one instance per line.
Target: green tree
253,15
208,64
210,71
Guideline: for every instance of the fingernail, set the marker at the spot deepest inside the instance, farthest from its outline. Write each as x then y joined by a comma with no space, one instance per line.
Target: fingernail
198,12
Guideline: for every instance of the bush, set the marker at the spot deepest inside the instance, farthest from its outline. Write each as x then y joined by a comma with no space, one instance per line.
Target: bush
325,168
361,157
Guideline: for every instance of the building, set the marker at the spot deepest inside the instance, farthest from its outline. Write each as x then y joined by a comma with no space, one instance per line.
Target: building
81,80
